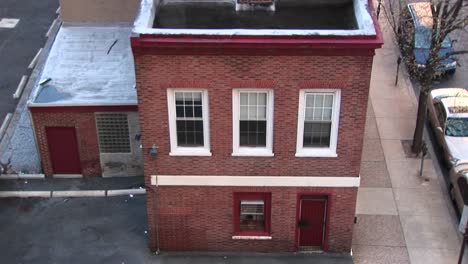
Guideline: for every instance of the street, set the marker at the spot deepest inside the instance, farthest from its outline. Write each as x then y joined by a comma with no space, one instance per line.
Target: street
19,45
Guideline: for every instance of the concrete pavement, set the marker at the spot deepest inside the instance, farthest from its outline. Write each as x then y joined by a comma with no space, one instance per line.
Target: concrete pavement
401,216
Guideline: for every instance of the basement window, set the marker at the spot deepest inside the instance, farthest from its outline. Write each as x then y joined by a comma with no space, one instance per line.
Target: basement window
252,214
113,132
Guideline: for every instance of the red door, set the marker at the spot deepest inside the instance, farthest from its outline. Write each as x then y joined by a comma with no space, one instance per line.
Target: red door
312,222
63,149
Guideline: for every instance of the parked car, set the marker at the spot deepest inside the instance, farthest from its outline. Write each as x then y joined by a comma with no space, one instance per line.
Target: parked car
448,114
416,27
459,185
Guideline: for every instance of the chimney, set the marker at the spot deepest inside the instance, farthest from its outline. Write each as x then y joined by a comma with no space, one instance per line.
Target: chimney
250,5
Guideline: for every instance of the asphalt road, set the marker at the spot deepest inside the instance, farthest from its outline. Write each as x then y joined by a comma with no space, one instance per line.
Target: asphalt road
19,45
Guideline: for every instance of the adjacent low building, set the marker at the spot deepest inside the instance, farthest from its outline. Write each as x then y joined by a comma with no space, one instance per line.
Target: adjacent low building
84,107
252,115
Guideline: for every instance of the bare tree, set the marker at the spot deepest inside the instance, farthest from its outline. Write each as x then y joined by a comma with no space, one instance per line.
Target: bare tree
439,19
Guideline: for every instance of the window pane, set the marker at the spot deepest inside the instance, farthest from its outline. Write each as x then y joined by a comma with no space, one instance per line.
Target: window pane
252,113
188,100
188,111
316,134
309,114
252,98
244,98
198,111
180,111
318,113
262,99
244,110
252,216
328,100
252,133
318,100
189,132
327,114
179,97
310,100
197,98
262,112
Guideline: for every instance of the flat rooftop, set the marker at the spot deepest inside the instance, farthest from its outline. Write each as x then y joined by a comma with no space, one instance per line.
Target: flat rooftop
287,15
229,18
88,65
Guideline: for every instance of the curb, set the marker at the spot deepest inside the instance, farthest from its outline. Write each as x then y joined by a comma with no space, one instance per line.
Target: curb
21,176
71,194
25,194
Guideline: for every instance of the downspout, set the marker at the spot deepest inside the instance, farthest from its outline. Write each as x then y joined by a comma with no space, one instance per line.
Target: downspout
155,207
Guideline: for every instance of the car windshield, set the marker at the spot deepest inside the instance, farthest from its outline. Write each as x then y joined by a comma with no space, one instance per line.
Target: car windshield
422,39
457,127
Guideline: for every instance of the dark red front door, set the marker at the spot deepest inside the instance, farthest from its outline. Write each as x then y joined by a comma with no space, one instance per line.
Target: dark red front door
63,149
312,222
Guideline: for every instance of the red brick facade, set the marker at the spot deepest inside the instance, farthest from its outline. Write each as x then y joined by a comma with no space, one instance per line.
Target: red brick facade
82,118
85,125
286,76
201,217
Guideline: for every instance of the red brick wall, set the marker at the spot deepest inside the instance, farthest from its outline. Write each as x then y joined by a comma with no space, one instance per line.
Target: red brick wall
220,74
201,218
85,132
286,75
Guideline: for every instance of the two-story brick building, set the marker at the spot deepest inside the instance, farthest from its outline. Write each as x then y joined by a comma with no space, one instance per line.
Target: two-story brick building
252,117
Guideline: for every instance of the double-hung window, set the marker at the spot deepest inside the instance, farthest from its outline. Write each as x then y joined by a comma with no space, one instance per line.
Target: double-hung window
252,122
317,129
188,122
252,214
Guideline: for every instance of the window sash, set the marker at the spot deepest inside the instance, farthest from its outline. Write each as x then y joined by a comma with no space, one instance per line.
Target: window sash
318,118
252,122
188,122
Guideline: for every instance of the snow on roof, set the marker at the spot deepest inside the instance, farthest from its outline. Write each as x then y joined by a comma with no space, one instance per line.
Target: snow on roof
88,65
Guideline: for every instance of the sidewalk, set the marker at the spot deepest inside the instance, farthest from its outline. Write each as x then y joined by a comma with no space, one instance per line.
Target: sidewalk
401,217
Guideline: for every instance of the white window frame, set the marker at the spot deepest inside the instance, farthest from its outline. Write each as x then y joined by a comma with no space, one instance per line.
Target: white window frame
237,150
316,151
188,151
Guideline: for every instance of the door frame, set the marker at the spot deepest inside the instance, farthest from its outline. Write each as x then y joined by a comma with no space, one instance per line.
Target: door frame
325,195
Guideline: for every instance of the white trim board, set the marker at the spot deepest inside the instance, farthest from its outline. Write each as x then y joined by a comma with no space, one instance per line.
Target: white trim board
271,181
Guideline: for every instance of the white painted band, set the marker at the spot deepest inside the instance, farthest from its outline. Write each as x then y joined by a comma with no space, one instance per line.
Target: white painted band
34,60
20,88
251,237
25,194
51,26
273,181
21,176
125,192
81,193
5,123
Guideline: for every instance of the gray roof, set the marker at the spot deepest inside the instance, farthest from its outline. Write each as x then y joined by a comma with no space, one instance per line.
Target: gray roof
88,65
